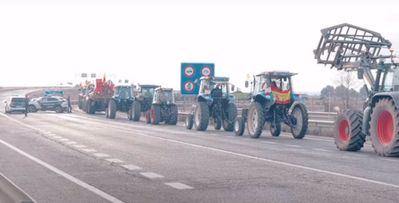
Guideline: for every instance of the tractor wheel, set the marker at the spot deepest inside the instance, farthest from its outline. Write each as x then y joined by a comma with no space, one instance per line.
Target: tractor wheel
217,123
111,110
256,120
231,115
148,117
201,116
174,112
90,108
189,121
136,111
348,131
300,113
275,129
384,128
155,114
32,109
239,126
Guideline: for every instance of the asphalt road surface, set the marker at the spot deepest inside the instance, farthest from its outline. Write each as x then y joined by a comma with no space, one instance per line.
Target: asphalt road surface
88,158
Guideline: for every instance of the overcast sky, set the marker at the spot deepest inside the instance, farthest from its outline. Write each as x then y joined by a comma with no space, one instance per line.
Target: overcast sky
47,42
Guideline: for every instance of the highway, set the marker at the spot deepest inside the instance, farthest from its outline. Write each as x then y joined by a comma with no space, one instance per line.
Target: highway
88,158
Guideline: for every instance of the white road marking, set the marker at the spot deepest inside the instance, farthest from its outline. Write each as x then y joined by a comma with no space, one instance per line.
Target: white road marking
179,186
151,175
88,150
269,142
101,155
79,146
131,167
57,137
276,162
63,140
70,143
115,161
64,174
292,145
321,150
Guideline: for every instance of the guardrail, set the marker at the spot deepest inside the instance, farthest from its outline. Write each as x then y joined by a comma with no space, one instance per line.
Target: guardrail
10,193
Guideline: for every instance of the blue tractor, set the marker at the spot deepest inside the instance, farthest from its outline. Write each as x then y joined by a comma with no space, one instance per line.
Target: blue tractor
214,102
122,100
273,102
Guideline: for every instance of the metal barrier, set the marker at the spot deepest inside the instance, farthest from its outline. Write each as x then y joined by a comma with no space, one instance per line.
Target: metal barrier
10,193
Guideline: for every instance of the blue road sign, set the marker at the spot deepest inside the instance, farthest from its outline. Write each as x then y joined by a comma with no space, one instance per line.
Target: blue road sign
191,72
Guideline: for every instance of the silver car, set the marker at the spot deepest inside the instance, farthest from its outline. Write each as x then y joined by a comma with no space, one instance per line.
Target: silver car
15,104
49,103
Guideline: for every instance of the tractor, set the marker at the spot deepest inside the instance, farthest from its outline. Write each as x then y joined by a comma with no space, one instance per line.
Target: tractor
350,48
273,101
213,101
121,101
94,98
163,108
142,101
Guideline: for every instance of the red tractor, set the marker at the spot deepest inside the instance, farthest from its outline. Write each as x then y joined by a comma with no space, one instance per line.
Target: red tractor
93,98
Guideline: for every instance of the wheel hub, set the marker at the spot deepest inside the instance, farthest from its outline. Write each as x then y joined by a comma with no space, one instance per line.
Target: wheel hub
344,130
385,128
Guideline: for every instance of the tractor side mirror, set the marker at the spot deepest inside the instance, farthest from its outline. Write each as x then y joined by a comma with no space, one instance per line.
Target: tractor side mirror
246,84
360,73
233,88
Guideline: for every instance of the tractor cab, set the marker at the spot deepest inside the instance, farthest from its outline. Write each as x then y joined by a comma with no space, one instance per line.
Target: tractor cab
275,86
163,96
215,88
123,91
147,91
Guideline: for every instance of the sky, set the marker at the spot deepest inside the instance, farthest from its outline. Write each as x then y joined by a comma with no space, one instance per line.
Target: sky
50,42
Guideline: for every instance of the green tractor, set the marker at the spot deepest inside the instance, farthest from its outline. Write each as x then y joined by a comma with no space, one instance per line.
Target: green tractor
163,108
350,48
215,102
122,100
142,101
273,102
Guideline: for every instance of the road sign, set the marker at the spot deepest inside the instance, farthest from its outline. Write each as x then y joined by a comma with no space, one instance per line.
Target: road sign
191,72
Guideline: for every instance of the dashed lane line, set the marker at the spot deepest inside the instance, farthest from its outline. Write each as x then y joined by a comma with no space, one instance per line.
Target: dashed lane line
151,175
179,186
131,167
90,150
114,160
101,155
77,181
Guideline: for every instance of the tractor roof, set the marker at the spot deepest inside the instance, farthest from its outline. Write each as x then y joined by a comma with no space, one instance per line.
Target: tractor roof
164,89
149,86
216,79
277,74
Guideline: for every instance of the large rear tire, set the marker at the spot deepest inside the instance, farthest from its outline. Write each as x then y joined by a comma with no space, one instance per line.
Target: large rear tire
189,121
201,116
300,113
231,115
155,114
239,126
256,120
111,110
174,112
384,128
348,131
136,111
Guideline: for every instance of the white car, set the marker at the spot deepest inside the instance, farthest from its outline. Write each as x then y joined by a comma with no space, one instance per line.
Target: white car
49,103
15,104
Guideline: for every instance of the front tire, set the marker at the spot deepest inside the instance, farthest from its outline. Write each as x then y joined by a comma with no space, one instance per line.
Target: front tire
189,121
111,110
300,113
239,126
201,116
32,109
348,131
136,111
217,123
384,128
275,129
256,120
155,114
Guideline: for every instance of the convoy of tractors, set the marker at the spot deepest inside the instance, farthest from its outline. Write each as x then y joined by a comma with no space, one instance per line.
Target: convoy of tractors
272,101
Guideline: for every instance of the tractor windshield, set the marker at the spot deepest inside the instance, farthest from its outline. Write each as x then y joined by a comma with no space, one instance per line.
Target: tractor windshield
223,86
165,97
147,92
124,92
391,81
283,84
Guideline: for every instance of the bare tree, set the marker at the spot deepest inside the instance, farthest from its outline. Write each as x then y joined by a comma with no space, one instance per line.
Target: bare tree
345,82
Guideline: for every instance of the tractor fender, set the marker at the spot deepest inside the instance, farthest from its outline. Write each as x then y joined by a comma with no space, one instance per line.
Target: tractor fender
293,106
366,119
392,95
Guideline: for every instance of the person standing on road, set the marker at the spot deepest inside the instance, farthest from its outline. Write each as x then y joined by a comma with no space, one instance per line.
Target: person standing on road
69,104
26,105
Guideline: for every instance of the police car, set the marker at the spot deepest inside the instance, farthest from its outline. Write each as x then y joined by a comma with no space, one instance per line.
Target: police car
48,103
15,104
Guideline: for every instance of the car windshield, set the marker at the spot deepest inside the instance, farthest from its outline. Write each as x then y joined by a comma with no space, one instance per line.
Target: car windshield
18,100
